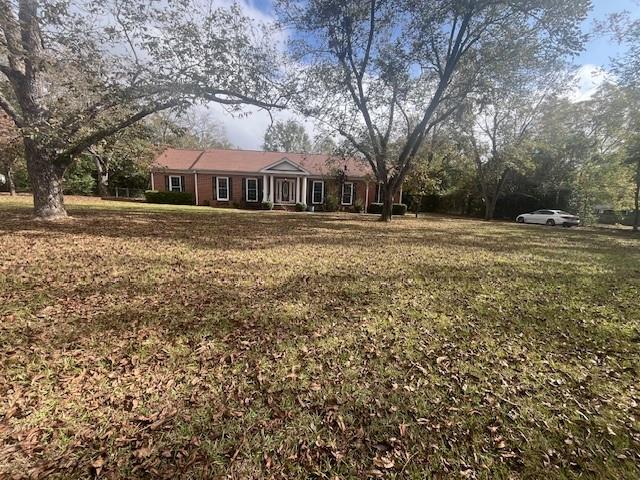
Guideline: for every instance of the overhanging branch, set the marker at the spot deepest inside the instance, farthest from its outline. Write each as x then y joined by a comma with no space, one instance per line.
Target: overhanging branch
12,112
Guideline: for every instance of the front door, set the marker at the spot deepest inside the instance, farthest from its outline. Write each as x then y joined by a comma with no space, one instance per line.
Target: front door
285,190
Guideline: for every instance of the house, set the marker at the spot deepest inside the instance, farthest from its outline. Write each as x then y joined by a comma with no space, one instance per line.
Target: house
247,178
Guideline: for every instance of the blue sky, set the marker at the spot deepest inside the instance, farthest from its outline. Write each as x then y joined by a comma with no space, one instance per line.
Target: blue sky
600,50
247,132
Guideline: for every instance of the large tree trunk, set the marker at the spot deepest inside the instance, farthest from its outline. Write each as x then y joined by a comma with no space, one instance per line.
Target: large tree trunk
46,181
490,207
387,204
103,176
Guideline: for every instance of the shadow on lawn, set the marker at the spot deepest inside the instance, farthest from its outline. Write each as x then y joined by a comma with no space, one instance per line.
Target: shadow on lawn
269,230
316,373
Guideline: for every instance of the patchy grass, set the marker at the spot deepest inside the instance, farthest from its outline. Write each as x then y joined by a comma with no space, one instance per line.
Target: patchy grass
142,341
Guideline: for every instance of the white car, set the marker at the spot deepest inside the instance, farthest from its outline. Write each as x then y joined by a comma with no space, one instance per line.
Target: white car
550,217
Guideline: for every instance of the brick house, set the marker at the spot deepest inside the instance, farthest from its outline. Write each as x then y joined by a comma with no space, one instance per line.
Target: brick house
246,178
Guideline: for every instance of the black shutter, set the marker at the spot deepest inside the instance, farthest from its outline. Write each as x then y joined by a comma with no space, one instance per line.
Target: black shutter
182,185
260,189
229,190
215,189
166,183
353,193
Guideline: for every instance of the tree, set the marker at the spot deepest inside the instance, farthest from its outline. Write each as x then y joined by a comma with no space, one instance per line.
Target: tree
200,131
10,150
578,148
289,136
130,150
499,124
632,154
627,70
78,81
382,73
324,144
428,176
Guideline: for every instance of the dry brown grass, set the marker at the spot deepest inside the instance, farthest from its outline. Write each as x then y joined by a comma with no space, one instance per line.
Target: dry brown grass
142,341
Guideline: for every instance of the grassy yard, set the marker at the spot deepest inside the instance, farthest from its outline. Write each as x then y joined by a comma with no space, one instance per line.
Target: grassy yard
143,341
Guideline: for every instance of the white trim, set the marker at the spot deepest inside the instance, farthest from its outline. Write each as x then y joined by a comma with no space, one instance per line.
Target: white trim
366,197
379,194
304,190
342,202
180,186
195,181
313,192
290,190
218,198
299,168
271,195
311,176
246,190
152,184
265,193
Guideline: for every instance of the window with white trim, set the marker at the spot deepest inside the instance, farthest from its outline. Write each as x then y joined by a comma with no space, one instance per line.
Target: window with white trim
252,190
347,193
175,183
222,188
317,192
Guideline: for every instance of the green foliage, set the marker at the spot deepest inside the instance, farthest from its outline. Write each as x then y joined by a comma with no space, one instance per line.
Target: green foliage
358,206
173,198
268,205
396,209
628,219
375,208
300,207
331,203
610,218
399,209
289,136
79,178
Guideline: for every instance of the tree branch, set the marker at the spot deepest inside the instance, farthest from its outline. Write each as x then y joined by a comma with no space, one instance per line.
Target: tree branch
84,143
12,112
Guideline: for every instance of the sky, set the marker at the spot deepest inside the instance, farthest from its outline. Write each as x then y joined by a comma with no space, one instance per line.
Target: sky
247,132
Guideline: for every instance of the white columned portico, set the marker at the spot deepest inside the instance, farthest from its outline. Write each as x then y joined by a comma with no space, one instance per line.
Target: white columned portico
265,195
304,190
297,189
271,195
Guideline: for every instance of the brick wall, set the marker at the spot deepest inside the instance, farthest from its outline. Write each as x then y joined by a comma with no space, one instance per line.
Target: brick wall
160,181
207,189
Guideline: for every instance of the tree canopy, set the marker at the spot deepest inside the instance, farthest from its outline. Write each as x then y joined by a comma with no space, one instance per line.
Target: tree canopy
286,136
82,70
382,73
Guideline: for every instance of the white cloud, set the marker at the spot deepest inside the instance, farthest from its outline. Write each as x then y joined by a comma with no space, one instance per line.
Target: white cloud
588,78
247,131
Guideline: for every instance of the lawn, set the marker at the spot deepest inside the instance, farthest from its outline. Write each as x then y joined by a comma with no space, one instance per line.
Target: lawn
142,341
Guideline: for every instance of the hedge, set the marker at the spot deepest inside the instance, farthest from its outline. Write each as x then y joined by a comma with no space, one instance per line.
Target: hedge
397,209
174,198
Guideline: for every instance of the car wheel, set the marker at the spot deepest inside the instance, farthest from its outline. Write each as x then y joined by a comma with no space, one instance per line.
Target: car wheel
551,222
520,220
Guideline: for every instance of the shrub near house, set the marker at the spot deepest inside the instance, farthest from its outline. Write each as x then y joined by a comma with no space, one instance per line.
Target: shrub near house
253,179
174,198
